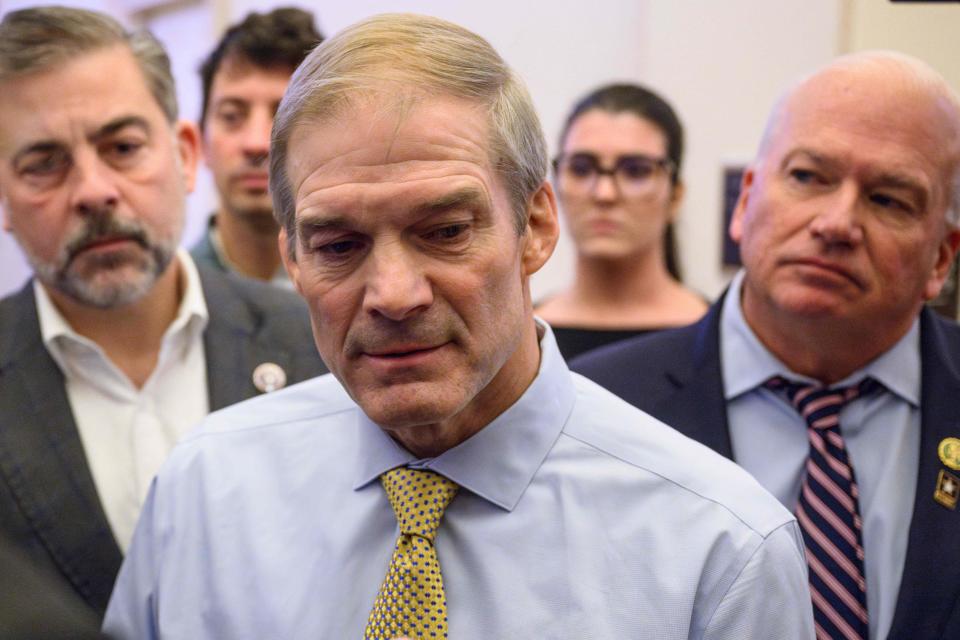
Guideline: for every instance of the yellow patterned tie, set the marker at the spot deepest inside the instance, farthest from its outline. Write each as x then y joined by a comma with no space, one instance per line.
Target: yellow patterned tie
411,601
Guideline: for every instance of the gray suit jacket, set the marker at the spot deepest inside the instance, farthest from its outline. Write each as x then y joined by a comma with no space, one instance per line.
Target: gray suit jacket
35,606
49,506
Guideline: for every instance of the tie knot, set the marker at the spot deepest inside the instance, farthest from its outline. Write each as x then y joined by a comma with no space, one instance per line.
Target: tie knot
820,406
419,498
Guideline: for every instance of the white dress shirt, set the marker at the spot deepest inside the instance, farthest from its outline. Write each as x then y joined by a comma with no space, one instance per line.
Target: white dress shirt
578,516
127,432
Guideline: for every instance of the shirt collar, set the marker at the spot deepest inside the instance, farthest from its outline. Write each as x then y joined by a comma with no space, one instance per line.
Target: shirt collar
498,462
746,363
193,306
280,276
55,329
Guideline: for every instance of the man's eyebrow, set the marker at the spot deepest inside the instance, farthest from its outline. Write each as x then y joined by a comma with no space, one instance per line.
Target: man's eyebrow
888,179
917,188
119,124
233,101
466,198
42,146
310,223
813,156
110,128
898,180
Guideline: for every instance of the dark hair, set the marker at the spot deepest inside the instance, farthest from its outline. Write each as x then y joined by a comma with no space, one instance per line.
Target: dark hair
644,103
281,38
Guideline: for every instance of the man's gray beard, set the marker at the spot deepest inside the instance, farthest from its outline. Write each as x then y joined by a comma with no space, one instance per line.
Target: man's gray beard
150,265
117,294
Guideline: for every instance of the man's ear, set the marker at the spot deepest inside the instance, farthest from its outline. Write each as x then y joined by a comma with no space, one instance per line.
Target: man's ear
188,148
543,229
289,261
946,253
736,221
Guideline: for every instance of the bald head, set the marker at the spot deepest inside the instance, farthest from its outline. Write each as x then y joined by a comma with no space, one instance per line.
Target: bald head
886,89
848,220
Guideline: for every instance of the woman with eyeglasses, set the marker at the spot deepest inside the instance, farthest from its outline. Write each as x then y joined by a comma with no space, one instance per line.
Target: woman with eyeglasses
617,181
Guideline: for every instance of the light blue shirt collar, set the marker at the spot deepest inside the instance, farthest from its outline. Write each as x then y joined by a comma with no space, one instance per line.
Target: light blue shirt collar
747,364
498,462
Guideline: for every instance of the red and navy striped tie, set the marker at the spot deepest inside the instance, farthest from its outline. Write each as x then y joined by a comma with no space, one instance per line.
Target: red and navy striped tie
828,512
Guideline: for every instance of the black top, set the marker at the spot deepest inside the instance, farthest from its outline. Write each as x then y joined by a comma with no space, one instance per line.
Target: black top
575,340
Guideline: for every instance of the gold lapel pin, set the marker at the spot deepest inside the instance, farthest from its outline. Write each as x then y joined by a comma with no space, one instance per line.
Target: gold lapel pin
268,377
948,489
949,452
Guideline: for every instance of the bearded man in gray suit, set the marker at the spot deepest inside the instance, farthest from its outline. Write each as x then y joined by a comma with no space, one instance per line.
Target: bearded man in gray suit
119,343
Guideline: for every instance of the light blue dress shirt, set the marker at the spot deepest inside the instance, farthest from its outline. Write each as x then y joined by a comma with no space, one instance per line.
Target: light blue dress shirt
579,517
881,431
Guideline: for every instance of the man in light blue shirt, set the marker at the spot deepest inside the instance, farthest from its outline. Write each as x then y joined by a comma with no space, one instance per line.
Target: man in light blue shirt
847,222
408,169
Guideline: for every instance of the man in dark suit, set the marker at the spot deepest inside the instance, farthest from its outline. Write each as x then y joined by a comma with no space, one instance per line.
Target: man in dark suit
120,343
820,371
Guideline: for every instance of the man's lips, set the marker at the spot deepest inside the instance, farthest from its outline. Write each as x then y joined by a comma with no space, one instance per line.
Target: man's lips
107,243
400,359
826,267
401,351
252,180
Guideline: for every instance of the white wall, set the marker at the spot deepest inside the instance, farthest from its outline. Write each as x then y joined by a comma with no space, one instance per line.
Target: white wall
723,64
929,31
720,63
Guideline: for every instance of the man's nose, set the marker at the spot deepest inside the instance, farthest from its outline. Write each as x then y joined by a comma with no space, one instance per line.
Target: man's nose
396,285
837,220
256,136
94,185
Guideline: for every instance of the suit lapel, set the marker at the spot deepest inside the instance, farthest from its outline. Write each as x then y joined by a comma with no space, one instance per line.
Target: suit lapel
232,345
930,586
44,465
697,407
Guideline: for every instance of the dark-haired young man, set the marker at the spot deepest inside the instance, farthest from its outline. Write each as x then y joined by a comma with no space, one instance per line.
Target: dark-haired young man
243,80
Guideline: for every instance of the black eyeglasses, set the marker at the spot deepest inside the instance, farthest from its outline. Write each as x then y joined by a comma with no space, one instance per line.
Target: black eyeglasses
635,174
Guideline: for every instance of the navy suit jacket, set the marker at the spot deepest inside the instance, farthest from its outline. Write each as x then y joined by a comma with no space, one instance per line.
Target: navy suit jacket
49,507
676,376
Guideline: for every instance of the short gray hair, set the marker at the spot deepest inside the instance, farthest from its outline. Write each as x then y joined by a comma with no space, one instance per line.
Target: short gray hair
428,55
41,38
